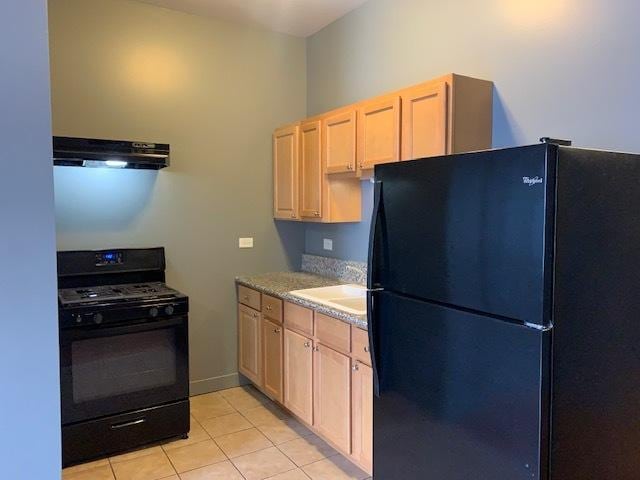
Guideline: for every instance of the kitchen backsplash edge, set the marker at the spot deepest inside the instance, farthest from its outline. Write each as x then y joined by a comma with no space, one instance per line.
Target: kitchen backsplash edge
343,270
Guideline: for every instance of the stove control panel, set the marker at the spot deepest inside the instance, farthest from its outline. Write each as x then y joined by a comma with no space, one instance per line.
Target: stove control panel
108,258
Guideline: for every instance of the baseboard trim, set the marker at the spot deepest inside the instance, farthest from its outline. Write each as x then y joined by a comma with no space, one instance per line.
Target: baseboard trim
213,384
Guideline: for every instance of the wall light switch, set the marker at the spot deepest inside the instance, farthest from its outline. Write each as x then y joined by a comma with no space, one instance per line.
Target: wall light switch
245,242
328,244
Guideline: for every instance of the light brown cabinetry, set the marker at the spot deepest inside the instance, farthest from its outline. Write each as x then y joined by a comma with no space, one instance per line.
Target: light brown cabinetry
314,365
272,359
451,114
362,415
250,344
298,375
318,162
311,174
379,132
332,396
424,121
285,172
340,137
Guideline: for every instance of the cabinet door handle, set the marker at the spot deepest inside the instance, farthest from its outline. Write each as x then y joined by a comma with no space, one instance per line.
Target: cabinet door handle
293,215
307,344
317,214
269,308
255,315
349,167
246,298
366,349
316,348
276,330
356,367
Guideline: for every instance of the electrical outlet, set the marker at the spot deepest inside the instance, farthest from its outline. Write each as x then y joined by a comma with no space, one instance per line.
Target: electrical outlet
245,242
328,244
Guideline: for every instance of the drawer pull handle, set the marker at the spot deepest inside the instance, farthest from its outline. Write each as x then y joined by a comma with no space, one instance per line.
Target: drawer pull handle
366,349
277,330
269,308
118,426
355,367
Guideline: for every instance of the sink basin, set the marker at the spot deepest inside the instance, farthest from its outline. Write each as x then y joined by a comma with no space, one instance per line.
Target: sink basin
348,298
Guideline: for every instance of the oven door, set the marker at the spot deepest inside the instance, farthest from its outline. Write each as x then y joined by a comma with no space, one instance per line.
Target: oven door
116,369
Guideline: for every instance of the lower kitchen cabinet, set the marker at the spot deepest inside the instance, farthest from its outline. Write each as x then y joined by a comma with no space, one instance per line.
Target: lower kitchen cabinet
250,343
362,415
332,396
298,375
272,359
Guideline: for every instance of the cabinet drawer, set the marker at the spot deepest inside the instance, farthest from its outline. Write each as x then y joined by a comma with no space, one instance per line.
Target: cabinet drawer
272,308
249,297
333,332
360,345
298,318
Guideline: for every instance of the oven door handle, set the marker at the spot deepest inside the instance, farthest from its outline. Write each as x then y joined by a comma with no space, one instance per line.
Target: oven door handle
81,333
118,426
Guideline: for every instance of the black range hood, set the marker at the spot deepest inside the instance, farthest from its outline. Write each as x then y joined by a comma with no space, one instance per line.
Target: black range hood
90,152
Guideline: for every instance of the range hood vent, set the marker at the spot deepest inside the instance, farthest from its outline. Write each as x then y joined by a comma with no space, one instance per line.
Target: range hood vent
89,152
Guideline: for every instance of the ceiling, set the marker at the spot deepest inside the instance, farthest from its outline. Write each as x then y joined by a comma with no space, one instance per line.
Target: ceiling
294,17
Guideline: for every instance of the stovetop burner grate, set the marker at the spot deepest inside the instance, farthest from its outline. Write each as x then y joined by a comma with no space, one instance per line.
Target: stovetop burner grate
115,293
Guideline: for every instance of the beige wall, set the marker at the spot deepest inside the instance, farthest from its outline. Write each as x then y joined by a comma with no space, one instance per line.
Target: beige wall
214,91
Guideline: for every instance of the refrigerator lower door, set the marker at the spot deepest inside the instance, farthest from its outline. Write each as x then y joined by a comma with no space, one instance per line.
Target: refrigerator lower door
461,396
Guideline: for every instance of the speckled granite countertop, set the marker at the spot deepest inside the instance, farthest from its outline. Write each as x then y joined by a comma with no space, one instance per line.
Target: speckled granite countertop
279,284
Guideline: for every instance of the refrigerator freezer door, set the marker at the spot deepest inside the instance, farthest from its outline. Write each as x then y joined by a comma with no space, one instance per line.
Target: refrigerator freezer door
460,395
469,230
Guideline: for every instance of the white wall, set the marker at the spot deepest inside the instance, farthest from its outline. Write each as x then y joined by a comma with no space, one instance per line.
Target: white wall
564,68
29,392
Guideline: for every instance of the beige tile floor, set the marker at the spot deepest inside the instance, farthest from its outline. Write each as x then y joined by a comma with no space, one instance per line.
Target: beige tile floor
236,434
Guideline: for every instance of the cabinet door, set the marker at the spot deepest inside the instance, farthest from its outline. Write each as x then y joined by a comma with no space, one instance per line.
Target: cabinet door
298,375
332,396
425,121
311,174
272,359
379,132
362,415
339,134
285,173
249,344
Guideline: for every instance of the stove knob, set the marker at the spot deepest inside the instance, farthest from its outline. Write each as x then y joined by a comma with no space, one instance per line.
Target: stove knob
97,318
78,318
169,310
153,312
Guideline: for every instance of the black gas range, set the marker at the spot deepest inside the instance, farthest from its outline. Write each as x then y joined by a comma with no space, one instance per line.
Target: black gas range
124,355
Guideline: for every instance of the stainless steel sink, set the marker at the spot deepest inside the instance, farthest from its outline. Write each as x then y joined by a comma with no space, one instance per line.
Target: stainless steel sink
347,298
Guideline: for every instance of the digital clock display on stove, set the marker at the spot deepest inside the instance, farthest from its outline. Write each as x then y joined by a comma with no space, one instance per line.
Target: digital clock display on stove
108,258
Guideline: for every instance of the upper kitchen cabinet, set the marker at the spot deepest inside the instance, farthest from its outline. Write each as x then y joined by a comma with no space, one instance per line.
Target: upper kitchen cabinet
312,195
340,139
452,114
311,175
379,132
285,172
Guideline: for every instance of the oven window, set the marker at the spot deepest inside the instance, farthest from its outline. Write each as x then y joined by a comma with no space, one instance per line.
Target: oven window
108,366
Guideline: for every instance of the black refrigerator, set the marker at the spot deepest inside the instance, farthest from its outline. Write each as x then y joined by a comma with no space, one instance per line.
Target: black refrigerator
504,316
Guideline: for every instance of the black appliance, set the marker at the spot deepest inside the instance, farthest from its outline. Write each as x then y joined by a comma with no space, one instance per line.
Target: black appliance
503,316
90,152
124,354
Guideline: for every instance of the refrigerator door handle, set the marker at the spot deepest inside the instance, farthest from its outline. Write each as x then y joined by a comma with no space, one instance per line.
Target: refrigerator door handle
373,246
373,286
373,350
